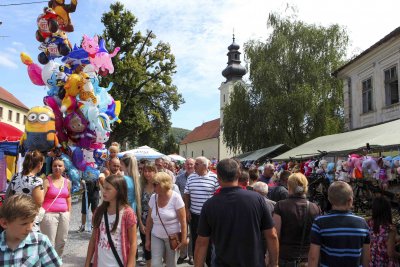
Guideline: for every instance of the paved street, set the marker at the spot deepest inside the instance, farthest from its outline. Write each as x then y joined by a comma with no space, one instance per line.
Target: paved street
76,247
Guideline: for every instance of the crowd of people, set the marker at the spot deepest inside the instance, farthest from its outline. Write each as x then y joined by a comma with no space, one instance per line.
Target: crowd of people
219,214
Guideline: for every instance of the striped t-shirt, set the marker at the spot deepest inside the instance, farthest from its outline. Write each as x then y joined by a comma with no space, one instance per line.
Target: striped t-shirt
200,188
341,236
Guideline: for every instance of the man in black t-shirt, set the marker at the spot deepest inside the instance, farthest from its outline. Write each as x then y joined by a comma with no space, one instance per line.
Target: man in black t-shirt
235,220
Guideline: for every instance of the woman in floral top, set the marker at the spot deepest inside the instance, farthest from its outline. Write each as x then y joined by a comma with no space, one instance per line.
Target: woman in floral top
28,183
149,171
383,235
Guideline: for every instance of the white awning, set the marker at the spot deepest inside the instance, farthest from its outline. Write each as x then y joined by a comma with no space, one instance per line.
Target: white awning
143,152
385,135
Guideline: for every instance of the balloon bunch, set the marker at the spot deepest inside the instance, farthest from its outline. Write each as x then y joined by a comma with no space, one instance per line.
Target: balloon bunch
83,111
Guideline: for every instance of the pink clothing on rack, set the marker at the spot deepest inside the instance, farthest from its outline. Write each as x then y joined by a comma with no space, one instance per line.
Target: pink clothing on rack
60,204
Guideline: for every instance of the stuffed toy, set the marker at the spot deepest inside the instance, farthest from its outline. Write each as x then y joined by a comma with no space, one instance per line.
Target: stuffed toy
77,129
330,171
87,92
72,87
98,54
62,10
40,130
341,173
370,167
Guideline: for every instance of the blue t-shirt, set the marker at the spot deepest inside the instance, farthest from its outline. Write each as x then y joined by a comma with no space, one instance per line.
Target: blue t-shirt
131,192
341,235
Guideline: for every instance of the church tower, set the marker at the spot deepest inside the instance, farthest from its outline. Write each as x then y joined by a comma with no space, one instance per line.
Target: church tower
233,73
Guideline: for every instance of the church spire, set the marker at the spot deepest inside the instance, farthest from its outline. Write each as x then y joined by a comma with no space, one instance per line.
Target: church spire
234,71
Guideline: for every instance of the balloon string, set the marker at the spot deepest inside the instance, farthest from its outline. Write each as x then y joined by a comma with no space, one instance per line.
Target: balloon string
24,3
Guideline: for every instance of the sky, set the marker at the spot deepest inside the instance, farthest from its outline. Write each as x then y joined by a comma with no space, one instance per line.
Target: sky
199,32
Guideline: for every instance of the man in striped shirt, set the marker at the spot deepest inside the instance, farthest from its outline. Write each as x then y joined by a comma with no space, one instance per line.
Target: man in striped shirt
200,186
339,238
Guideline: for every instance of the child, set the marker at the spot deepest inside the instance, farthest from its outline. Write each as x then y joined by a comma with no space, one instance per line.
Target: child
339,238
113,153
19,245
383,234
122,227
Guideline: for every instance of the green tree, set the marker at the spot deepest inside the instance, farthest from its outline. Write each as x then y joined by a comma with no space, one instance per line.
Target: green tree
142,80
293,96
170,146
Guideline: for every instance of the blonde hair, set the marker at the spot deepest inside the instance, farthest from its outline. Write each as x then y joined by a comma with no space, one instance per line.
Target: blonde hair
164,180
113,149
339,193
298,184
18,206
130,162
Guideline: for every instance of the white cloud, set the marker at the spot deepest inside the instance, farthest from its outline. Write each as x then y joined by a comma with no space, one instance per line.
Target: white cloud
5,61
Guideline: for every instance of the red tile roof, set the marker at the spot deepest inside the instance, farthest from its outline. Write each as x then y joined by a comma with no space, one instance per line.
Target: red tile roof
207,130
11,99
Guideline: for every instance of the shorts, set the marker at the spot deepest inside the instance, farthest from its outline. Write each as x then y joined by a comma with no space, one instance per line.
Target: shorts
93,202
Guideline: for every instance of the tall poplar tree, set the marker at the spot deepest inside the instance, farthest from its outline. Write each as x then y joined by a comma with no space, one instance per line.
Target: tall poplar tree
142,80
292,97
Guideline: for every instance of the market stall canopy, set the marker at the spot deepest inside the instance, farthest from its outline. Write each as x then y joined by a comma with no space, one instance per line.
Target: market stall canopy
176,157
384,136
264,153
9,133
144,152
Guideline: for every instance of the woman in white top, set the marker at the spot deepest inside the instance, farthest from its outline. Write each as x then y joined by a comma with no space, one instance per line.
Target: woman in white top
171,209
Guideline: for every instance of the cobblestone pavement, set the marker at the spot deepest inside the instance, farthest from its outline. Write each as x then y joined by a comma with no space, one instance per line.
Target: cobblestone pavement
76,247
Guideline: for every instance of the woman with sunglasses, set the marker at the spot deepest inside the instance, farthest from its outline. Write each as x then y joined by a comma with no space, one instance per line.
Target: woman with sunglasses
57,204
167,217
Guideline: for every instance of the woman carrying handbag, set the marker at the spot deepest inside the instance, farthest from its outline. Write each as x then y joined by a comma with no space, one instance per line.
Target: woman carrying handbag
166,225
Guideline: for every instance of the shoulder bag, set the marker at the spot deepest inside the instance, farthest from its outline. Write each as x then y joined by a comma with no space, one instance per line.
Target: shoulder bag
174,239
59,192
110,241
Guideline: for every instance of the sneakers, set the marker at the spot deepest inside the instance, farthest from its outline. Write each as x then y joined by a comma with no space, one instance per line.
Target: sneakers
180,260
81,229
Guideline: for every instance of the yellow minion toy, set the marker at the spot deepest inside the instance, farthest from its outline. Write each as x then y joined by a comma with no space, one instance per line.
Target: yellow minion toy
40,130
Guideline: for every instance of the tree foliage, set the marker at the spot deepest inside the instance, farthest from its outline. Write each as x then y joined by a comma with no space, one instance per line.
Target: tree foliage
293,97
142,80
170,145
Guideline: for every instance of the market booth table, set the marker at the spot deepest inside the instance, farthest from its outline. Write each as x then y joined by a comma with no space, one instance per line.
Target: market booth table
9,140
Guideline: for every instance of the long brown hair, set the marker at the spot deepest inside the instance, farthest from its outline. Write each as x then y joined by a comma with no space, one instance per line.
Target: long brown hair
31,161
381,213
118,182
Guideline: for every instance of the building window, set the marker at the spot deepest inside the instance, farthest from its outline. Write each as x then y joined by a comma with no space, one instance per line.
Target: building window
1,112
202,153
224,98
17,119
10,115
192,154
391,86
24,119
367,95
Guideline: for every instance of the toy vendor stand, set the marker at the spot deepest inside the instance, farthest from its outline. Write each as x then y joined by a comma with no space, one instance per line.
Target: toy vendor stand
9,140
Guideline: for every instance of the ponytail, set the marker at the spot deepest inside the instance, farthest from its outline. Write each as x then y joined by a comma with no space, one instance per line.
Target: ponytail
31,161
